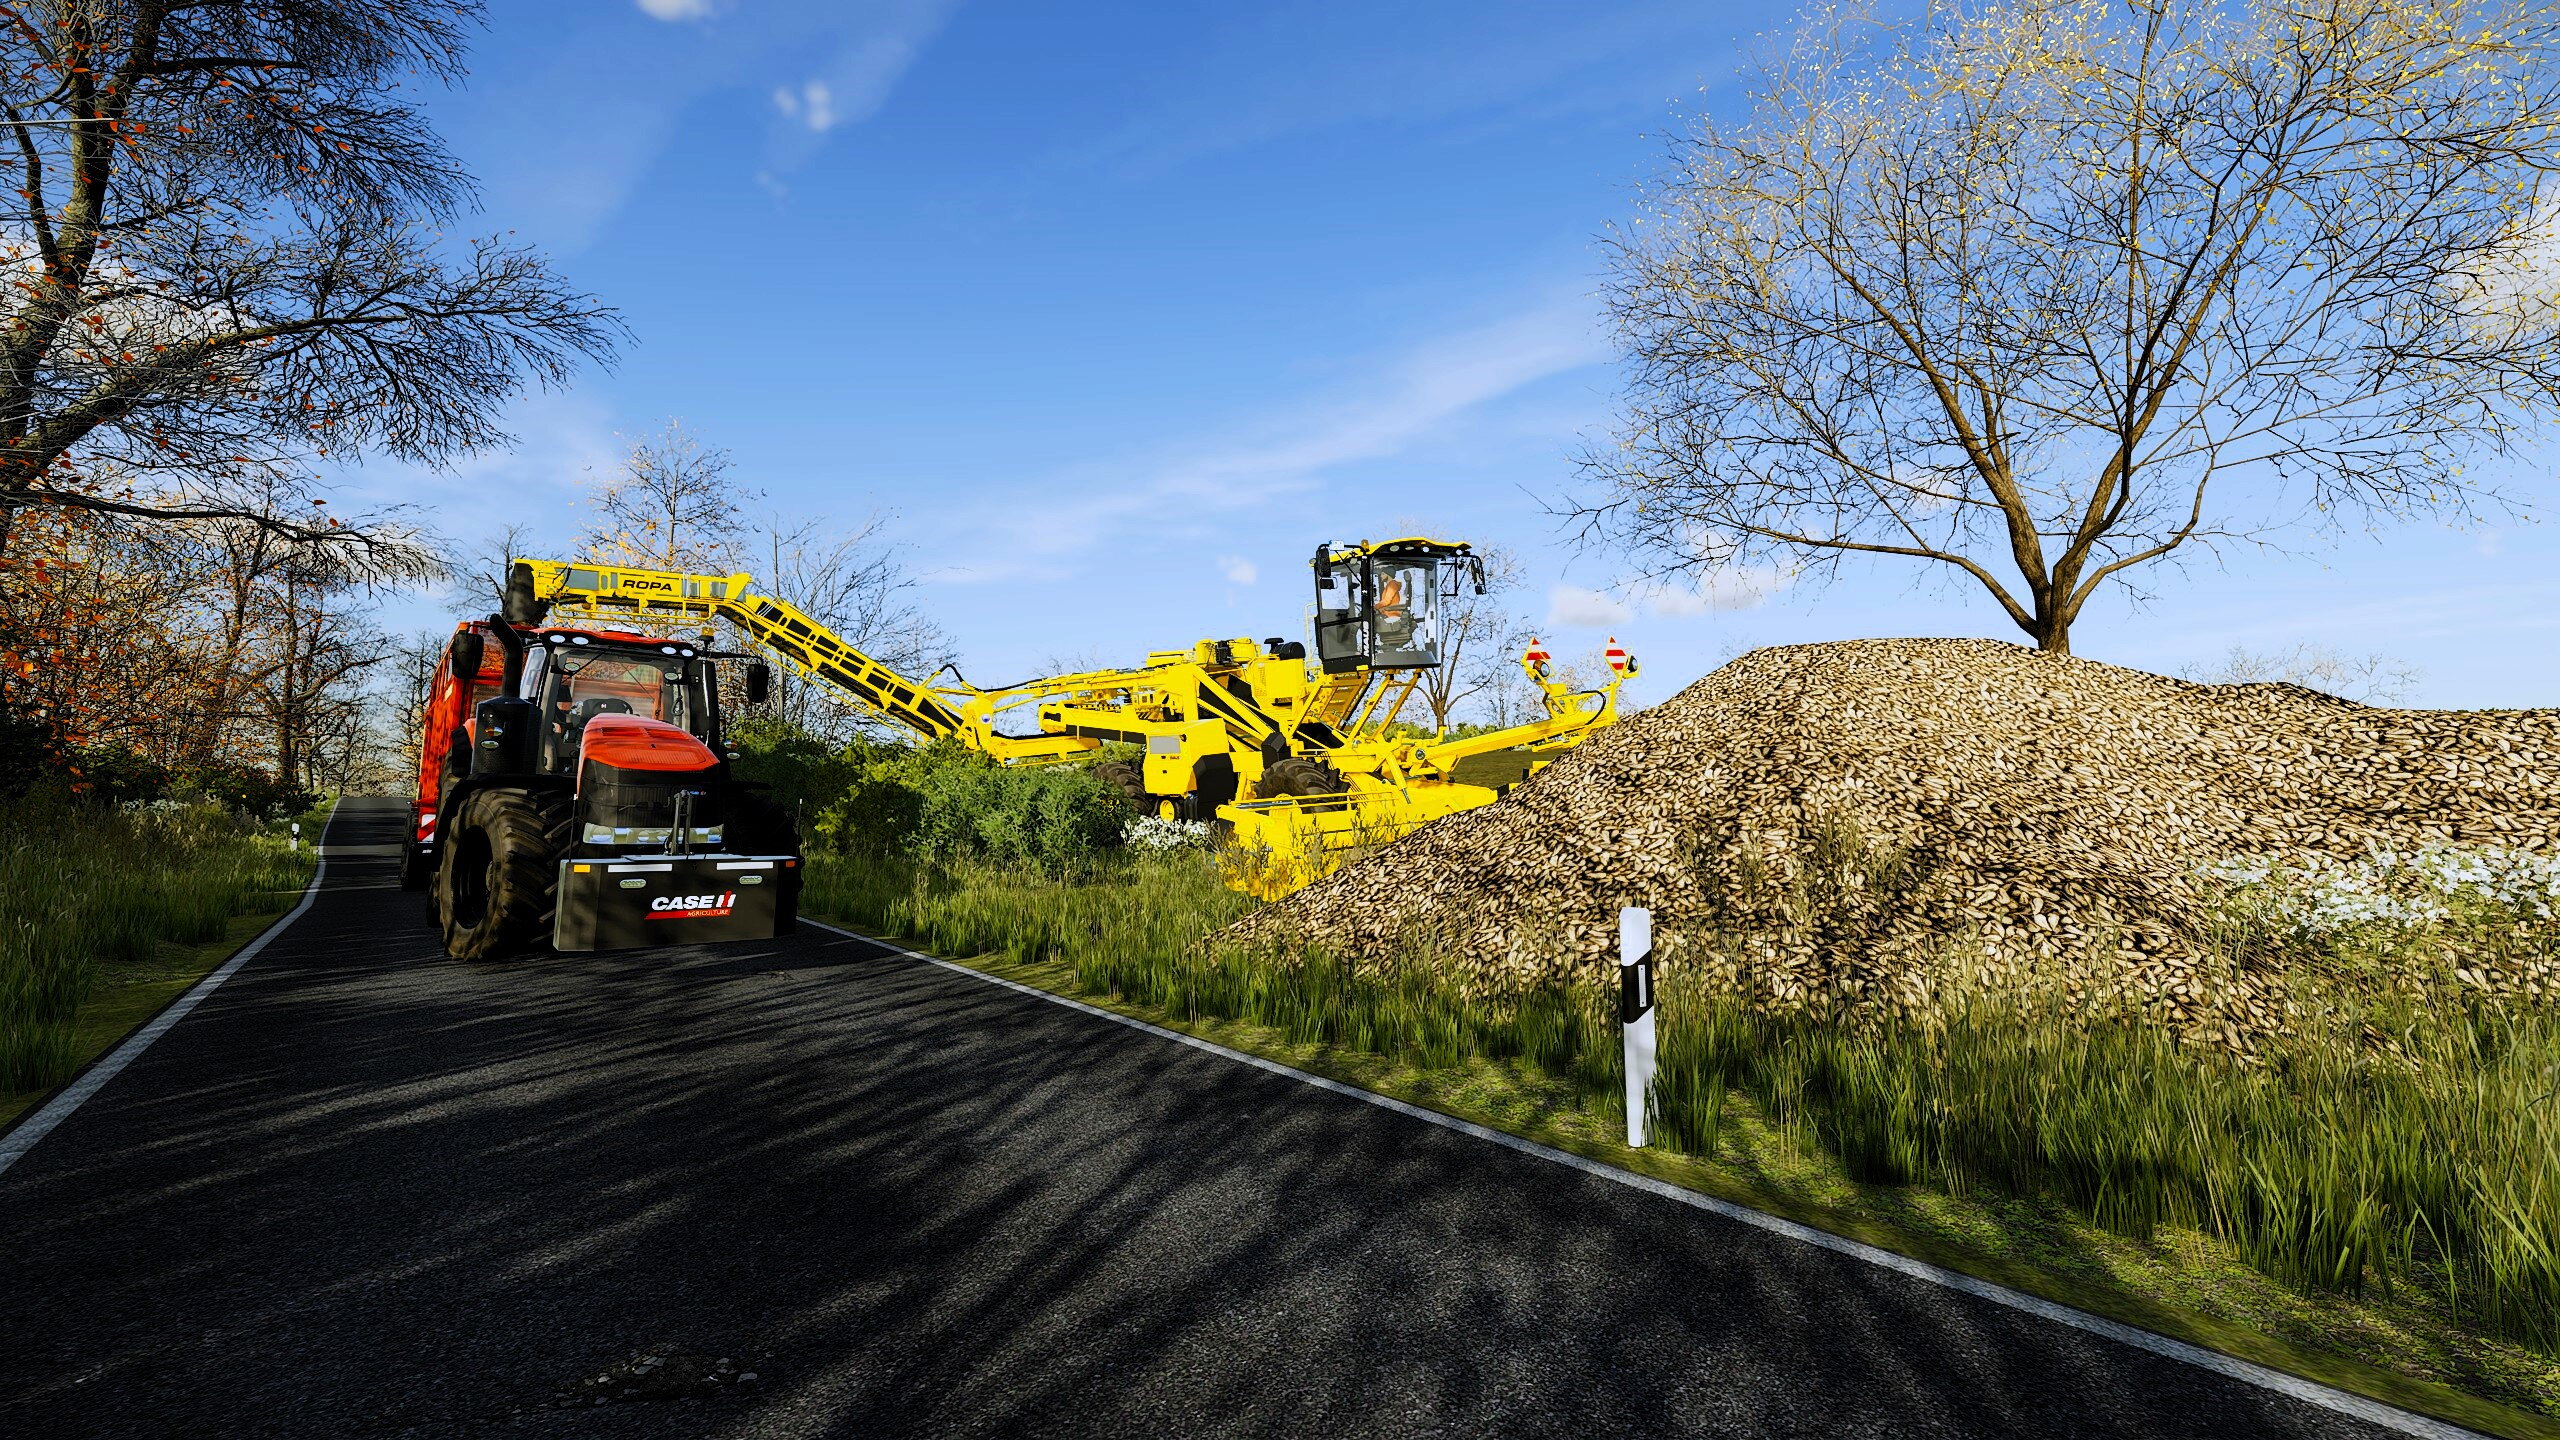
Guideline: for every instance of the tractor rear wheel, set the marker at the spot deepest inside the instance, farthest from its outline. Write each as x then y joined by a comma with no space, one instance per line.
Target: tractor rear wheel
501,874
1299,775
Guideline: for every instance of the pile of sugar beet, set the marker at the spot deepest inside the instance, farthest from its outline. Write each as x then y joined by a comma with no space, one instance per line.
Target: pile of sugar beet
1866,824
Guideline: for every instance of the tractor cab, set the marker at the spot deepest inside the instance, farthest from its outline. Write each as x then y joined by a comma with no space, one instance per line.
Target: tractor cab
573,677
1378,605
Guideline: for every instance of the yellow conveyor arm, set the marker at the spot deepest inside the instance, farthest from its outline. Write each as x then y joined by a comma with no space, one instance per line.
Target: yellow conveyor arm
777,627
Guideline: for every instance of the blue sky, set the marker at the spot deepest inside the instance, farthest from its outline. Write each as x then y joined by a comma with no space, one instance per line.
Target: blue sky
1122,308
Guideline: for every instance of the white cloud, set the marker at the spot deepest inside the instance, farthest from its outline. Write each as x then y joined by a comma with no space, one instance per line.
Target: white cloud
1571,605
813,105
675,9
2515,287
1238,570
1410,400
1732,588
858,79
561,442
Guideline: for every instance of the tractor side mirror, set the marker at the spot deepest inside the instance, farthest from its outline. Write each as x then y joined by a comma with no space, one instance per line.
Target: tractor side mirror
759,682
465,654
520,605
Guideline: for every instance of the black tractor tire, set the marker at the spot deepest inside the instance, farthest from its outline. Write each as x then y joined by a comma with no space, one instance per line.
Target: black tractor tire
1299,775
501,875
1131,780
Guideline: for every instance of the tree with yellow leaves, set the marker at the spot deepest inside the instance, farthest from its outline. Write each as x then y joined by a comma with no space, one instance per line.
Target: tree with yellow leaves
2044,293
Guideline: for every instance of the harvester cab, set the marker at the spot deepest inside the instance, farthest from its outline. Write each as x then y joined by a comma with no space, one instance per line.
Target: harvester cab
1378,604
572,787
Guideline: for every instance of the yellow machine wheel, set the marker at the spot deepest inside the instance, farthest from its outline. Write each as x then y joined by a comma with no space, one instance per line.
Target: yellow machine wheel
1169,809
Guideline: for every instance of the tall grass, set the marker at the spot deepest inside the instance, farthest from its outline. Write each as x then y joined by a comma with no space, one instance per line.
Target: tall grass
84,888
2326,1162
2399,1134
1134,926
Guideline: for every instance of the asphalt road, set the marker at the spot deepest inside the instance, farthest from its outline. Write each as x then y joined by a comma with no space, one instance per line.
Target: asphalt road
364,1191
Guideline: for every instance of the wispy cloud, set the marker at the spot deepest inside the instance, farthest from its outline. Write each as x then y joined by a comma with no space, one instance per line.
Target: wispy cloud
1724,590
858,80
812,104
560,443
1238,570
1572,605
1280,71
1406,401
601,138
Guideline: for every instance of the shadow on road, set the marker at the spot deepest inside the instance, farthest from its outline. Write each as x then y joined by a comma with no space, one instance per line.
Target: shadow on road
364,1190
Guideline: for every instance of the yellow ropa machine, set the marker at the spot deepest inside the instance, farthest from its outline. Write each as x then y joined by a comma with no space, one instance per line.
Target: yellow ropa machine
1299,760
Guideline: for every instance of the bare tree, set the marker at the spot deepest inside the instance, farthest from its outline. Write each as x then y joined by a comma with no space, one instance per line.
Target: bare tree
1480,638
853,582
232,261
318,647
480,578
2367,679
672,506
2009,289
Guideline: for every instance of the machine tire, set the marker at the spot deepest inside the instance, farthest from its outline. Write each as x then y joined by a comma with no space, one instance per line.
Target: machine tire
1131,780
1299,775
501,874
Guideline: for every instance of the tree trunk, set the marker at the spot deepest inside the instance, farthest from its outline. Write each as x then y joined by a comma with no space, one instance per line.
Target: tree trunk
2050,627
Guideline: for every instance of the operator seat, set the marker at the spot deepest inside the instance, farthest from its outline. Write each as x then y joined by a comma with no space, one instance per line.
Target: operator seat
1395,621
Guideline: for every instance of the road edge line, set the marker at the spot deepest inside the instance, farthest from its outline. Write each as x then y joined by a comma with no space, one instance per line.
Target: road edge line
2311,1392
23,1136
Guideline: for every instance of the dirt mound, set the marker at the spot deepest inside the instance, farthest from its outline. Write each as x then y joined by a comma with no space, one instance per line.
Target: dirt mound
1838,824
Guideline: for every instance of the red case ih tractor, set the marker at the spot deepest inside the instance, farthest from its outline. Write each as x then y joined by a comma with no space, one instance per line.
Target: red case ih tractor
572,788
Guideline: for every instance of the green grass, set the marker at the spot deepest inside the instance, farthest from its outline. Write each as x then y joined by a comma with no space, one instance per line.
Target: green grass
2379,1215
95,899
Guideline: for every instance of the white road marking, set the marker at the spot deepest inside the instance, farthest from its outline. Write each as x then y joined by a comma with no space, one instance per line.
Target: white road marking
35,1127
2311,1392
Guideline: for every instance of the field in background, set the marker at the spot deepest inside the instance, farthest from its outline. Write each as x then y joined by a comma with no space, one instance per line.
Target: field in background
105,911
2372,1200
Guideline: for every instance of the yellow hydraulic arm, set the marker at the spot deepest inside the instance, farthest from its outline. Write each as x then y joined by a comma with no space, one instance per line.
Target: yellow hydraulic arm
782,630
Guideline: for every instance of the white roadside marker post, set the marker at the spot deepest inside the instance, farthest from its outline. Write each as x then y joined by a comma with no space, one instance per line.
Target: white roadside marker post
1635,1014
297,835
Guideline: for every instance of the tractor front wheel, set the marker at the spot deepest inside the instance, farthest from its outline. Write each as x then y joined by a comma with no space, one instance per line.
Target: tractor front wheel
501,873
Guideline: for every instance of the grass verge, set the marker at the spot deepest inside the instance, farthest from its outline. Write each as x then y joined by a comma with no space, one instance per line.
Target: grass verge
111,914
1127,936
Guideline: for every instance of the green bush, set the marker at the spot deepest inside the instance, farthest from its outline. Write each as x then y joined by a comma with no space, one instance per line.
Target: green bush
802,770
941,802
240,788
